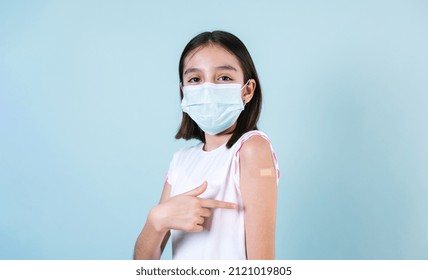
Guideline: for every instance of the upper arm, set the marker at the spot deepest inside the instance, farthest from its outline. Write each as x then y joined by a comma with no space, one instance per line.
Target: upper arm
259,194
166,194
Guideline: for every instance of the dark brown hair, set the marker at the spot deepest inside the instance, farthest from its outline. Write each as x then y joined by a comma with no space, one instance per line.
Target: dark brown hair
248,118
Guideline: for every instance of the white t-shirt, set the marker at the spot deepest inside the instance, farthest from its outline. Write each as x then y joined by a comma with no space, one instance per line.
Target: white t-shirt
223,236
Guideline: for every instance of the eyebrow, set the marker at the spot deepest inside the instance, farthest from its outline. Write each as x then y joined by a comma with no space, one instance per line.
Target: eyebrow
222,67
191,70
227,67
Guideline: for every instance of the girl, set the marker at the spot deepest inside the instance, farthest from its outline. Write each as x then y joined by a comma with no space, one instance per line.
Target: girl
219,199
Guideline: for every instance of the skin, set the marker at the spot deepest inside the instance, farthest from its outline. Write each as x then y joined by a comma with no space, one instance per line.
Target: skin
258,187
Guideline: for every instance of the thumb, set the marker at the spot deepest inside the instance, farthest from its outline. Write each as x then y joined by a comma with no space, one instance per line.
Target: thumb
197,191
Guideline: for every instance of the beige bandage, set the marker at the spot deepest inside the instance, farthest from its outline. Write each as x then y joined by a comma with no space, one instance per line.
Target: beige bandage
266,172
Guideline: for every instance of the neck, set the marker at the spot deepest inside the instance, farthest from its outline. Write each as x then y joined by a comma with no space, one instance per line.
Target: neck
212,142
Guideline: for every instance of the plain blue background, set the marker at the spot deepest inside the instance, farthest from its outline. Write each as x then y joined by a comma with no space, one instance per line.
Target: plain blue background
89,105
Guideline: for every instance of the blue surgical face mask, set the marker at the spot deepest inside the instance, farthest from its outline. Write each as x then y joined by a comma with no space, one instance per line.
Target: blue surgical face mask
214,107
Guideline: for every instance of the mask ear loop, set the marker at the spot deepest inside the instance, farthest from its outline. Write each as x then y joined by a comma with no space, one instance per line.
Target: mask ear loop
245,84
243,101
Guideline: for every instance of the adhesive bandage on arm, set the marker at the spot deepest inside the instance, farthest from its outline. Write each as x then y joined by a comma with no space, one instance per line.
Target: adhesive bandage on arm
266,172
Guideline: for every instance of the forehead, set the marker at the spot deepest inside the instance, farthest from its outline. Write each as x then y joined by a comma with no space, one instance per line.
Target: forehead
210,56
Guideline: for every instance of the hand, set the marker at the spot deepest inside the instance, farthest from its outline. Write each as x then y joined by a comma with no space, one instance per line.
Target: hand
186,211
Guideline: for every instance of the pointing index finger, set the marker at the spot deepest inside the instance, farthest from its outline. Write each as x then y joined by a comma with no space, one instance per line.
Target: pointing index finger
212,203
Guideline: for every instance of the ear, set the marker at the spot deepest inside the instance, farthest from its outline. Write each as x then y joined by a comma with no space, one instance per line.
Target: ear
248,91
181,90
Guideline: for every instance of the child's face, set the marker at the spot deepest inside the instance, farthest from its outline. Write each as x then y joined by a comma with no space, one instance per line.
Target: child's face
212,64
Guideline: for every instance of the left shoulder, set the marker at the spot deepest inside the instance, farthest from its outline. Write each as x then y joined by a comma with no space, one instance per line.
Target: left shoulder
255,146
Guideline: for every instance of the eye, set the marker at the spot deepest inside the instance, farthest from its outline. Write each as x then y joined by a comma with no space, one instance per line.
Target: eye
224,78
193,80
